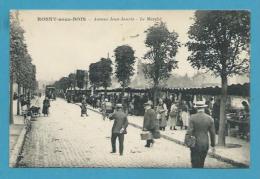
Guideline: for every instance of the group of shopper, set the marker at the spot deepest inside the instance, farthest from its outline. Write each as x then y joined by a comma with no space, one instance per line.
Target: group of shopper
200,124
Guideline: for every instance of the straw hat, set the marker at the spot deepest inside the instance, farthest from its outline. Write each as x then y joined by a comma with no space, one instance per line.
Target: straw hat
200,104
119,105
148,103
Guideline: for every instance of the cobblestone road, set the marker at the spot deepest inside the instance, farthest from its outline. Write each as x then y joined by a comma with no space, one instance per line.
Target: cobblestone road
64,139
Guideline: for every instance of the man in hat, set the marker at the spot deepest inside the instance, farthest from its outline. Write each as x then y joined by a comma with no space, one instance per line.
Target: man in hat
200,125
119,128
150,121
107,108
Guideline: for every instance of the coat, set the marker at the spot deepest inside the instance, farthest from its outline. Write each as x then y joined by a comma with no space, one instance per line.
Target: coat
120,121
46,105
150,120
161,112
200,125
173,115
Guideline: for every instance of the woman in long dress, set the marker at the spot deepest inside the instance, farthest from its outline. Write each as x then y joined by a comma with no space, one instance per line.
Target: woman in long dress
45,106
173,116
161,114
185,115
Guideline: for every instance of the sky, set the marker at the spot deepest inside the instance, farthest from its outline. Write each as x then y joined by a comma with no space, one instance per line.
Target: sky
59,45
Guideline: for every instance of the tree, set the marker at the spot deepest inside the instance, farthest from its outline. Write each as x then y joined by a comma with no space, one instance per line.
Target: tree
160,58
125,60
219,42
80,78
100,73
86,79
63,84
94,75
105,67
72,80
17,52
22,71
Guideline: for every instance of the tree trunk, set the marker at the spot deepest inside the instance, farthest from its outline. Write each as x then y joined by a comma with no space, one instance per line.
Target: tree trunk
123,92
222,120
105,92
11,120
155,94
18,99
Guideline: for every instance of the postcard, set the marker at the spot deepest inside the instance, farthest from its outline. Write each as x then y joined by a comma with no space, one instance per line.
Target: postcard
126,89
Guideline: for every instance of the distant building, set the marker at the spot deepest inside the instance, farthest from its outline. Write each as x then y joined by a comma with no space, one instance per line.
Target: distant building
139,80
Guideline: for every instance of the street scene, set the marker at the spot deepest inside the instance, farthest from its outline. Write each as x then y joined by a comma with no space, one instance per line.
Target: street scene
156,89
64,139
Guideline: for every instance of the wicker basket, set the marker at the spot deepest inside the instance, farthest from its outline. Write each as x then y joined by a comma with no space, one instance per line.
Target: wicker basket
146,135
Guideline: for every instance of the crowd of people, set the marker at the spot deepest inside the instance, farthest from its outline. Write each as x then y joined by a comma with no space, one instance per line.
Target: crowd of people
172,113
31,105
199,118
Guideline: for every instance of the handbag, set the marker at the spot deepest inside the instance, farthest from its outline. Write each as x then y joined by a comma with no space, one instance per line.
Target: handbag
190,141
146,135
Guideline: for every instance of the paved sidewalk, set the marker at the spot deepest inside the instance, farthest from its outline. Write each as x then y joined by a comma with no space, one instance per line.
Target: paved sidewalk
17,133
238,155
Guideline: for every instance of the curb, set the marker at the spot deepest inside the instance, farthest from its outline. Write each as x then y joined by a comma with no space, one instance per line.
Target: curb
212,155
17,149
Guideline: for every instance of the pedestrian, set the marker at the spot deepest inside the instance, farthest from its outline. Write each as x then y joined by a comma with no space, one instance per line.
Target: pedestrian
244,129
216,114
150,123
35,109
246,109
131,107
173,116
200,125
23,105
185,115
37,101
168,104
83,107
119,128
161,114
106,108
209,102
45,106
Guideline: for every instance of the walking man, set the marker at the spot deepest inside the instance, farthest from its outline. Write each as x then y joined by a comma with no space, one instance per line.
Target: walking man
119,128
150,122
106,108
200,125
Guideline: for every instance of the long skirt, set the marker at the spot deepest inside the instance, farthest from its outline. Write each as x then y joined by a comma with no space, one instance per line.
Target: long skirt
173,120
45,110
185,118
162,120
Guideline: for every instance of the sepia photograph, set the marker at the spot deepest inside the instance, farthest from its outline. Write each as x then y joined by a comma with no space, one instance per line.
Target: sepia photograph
129,89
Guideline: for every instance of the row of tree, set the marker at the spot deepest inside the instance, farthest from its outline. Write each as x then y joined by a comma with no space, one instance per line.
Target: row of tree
218,42
100,73
73,80
22,71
